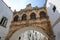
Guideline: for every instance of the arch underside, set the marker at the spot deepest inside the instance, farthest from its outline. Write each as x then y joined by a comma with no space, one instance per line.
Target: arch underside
13,31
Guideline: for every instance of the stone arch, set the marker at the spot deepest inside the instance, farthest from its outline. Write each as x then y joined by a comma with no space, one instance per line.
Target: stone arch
24,29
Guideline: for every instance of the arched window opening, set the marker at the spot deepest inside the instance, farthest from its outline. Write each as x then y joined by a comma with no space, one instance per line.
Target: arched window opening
42,14
3,21
24,17
33,16
16,18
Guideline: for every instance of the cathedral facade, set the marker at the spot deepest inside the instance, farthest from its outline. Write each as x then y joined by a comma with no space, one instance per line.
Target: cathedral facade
31,23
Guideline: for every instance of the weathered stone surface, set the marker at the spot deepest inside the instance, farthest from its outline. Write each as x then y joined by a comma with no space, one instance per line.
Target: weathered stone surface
42,23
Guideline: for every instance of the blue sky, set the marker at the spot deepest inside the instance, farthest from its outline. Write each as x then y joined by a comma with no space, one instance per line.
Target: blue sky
21,4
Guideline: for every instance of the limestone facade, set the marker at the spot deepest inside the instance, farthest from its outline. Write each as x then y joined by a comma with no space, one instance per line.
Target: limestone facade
31,16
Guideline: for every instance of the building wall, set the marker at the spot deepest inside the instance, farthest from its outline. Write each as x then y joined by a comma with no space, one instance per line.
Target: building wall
54,16
54,2
5,11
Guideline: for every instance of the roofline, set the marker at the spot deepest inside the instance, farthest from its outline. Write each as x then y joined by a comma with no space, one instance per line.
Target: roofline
6,5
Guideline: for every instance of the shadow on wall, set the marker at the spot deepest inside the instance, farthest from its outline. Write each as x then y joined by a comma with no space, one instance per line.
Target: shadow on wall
56,22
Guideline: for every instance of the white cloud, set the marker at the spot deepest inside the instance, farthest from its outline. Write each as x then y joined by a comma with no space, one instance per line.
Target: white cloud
14,4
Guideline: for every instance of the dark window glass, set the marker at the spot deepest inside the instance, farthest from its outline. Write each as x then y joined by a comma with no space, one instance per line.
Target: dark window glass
33,16
16,18
54,8
0,37
42,14
3,22
24,17
19,38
